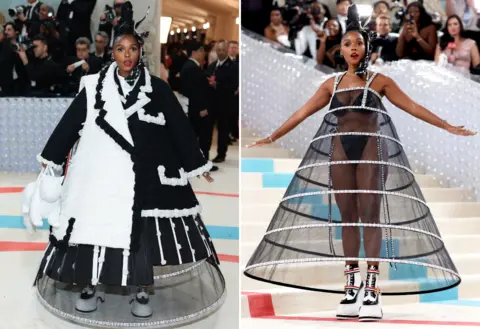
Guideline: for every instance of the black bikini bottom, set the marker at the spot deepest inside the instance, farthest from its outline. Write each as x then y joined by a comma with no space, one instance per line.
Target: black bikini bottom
354,146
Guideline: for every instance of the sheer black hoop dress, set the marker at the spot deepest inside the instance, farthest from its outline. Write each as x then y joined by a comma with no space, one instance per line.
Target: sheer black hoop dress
354,198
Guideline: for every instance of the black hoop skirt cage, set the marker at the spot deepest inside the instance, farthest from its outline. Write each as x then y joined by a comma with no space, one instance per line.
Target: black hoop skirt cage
354,197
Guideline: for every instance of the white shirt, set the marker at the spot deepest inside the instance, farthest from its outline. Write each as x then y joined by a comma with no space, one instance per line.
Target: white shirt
469,16
343,23
195,61
307,37
220,63
32,7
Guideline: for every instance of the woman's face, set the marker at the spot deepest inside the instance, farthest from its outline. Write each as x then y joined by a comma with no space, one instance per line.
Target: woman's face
353,48
43,12
453,27
275,17
414,13
333,27
381,9
126,52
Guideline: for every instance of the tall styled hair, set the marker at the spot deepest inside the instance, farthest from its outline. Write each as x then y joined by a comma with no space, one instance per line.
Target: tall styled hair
446,37
353,25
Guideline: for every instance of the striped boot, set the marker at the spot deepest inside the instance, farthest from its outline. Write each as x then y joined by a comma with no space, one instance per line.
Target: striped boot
349,307
371,309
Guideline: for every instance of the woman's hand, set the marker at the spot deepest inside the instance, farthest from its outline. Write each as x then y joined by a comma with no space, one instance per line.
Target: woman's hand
414,30
458,130
261,142
207,177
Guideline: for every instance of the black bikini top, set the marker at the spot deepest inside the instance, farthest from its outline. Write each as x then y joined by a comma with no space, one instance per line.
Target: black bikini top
366,98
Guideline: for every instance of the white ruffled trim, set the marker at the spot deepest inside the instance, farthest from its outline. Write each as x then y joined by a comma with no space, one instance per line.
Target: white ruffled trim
159,119
49,163
173,181
203,169
172,213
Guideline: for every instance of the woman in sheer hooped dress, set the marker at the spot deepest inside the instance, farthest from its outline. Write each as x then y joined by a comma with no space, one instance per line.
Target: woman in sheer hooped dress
356,161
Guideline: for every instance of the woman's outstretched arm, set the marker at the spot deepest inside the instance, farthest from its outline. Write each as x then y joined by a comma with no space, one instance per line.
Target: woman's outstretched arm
318,101
398,98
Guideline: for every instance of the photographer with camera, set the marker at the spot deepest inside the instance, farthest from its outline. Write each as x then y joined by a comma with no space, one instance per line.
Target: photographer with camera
329,51
418,38
13,76
306,41
109,19
27,17
42,72
75,16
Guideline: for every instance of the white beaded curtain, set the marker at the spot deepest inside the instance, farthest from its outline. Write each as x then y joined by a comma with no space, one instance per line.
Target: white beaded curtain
275,85
25,126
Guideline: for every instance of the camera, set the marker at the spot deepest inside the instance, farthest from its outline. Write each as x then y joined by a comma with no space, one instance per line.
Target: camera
297,20
109,13
15,11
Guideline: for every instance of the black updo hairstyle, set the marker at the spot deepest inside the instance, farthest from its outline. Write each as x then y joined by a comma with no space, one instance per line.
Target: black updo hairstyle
353,25
126,26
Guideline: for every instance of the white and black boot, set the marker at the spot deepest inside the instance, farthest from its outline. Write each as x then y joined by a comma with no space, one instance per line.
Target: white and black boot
349,307
140,305
371,309
88,300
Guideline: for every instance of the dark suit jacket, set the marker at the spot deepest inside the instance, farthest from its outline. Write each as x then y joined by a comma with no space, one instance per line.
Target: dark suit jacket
107,58
76,18
227,81
74,78
194,85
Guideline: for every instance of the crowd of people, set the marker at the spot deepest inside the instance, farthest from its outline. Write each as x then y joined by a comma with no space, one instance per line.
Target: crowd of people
208,75
410,32
44,51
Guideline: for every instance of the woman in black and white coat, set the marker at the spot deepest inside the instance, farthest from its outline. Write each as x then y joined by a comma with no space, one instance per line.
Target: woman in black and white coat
126,203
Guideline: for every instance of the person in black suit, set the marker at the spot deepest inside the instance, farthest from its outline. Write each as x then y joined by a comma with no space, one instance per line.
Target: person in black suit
101,48
28,22
43,73
75,16
194,86
179,58
223,86
89,65
13,76
235,105
107,24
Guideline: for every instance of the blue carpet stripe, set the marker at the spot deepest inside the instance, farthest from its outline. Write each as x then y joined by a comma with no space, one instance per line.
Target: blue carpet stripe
216,232
460,302
257,165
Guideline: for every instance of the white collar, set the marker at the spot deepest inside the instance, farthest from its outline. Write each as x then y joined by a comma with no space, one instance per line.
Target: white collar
219,62
232,58
194,60
35,3
99,55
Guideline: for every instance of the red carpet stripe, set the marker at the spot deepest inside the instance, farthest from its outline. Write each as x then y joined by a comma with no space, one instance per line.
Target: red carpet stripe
11,189
40,246
20,189
260,304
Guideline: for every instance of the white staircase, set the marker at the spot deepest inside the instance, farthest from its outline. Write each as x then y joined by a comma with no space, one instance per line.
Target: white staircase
457,219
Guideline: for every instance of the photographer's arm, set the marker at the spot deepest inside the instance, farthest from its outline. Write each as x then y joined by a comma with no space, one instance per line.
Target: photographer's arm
318,101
